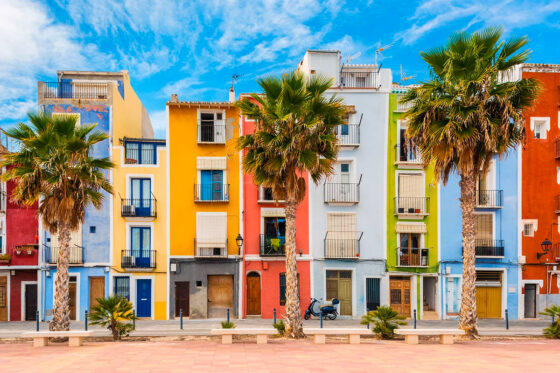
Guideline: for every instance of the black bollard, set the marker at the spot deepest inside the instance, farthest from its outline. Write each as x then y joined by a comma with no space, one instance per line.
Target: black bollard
228,315
321,318
134,319
181,317
37,320
414,319
274,315
507,320
85,321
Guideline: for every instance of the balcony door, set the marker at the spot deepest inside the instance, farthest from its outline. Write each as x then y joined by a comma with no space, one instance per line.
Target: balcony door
274,234
411,194
211,187
410,254
212,127
140,195
140,238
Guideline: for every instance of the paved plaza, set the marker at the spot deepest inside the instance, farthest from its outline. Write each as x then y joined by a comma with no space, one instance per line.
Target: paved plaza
521,355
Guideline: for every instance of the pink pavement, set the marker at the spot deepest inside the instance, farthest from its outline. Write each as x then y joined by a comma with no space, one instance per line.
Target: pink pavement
525,355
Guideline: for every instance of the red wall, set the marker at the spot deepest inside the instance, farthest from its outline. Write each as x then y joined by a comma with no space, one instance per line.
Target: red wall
15,291
539,184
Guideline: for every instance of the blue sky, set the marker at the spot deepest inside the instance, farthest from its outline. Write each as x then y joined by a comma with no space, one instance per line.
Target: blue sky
193,47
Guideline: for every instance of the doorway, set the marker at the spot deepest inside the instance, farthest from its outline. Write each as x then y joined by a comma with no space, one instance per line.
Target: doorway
339,285
30,296
96,290
3,298
144,298
489,294
181,298
429,286
72,286
253,294
220,295
400,295
530,301
372,294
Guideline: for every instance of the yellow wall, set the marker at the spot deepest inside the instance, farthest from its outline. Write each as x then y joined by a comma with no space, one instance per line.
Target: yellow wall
127,113
183,151
159,227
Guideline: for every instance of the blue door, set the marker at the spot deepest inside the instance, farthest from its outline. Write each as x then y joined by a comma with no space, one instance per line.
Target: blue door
140,194
144,298
140,246
211,188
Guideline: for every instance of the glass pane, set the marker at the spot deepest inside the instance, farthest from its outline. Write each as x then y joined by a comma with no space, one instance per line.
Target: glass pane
404,239
135,241
146,242
146,192
344,167
135,192
415,240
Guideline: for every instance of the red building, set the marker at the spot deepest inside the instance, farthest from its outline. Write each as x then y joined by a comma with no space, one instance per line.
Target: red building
264,265
540,201
18,259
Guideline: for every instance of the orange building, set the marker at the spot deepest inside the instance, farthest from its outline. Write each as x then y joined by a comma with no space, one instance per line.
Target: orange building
540,188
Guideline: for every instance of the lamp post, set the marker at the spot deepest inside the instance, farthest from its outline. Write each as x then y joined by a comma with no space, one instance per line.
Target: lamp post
239,242
546,245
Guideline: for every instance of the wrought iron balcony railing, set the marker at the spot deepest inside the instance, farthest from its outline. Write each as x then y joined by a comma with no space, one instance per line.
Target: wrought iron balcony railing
412,257
272,246
412,205
138,258
348,193
348,135
407,155
73,90
76,254
138,207
216,249
359,79
342,245
489,198
211,192
212,133
489,247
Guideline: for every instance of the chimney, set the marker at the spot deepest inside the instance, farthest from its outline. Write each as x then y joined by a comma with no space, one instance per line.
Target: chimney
231,94
174,97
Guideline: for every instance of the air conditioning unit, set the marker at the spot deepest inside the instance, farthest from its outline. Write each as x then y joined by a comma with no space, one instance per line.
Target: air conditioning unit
128,261
129,210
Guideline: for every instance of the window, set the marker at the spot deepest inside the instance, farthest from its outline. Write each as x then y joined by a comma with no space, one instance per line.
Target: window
528,230
275,232
341,240
410,198
212,185
484,229
345,173
267,194
140,196
92,229
211,233
540,127
211,128
140,244
283,288
122,287
140,152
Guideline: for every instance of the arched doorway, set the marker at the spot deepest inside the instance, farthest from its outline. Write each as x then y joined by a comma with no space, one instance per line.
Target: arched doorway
253,294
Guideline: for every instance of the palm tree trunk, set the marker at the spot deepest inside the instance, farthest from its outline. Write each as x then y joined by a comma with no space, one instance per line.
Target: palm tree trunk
61,311
467,314
294,325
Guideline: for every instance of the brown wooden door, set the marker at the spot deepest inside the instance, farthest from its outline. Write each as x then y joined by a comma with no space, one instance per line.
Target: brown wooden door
3,298
489,302
220,295
253,294
72,296
96,290
339,285
181,298
400,295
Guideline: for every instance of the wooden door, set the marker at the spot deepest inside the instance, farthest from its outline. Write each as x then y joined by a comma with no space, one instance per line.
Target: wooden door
253,294
96,290
339,285
3,298
489,302
400,295
220,295
181,298
72,296
30,301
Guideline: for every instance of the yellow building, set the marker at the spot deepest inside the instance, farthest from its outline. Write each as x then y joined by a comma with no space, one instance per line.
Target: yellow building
139,270
204,180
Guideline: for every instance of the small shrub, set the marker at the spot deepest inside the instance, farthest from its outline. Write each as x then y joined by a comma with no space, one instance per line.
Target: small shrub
114,313
385,320
5,256
280,327
228,325
552,331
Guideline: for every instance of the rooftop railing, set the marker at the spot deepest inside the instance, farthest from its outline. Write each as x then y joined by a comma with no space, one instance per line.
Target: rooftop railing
73,90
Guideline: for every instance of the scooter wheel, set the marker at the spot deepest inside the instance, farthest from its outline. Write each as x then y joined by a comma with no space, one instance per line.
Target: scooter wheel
306,316
332,316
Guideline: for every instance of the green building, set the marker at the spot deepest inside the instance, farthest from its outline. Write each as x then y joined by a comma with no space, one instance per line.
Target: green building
412,222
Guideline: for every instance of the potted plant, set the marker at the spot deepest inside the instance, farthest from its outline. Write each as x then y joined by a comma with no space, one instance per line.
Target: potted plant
18,250
5,258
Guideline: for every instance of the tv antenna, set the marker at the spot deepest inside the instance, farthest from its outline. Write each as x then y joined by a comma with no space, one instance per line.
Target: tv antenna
404,77
354,56
235,78
381,49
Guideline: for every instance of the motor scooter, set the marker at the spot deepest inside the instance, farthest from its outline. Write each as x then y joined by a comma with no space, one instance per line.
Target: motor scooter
325,310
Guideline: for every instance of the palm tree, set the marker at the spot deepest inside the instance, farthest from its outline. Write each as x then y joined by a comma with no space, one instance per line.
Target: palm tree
294,137
467,113
53,166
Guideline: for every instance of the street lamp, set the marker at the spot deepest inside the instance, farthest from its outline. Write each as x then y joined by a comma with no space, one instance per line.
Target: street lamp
239,242
546,246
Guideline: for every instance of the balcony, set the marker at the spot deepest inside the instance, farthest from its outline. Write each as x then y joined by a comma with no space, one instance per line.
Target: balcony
342,193
138,208
359,79
342,245
408,155
212,133
76,254
402,107
489,198
348,135
272,246
73,90
211,192
412,257
131,259
412,206
265,196
489,248
216,249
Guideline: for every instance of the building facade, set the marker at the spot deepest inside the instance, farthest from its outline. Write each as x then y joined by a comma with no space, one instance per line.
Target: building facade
205,217
347,212
108,100
412,216
540,199
264,261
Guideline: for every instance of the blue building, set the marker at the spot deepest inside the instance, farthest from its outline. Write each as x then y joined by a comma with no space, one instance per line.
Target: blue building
497,242
107,100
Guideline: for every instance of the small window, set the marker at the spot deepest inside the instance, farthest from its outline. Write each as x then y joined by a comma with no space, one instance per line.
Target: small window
540,127
528,230
92,229
122,287
283,288
538,130
199,284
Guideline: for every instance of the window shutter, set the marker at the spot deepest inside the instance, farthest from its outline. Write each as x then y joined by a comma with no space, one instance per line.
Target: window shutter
411,185
211,230
211,163
484,227
411,228
341,226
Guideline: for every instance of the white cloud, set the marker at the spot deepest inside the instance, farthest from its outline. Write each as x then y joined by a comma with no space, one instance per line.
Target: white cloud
159,123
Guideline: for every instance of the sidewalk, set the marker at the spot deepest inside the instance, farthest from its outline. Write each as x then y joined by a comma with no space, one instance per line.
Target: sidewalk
149,328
